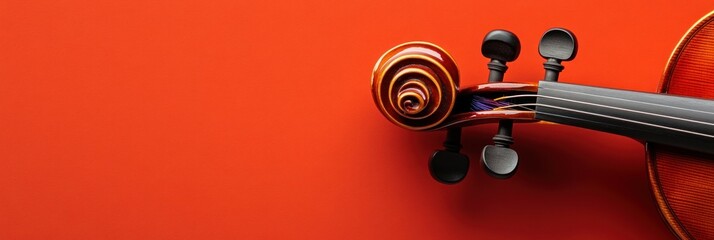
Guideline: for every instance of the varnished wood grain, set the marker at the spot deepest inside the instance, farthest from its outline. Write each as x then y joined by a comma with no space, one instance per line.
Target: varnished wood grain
416,85
683,182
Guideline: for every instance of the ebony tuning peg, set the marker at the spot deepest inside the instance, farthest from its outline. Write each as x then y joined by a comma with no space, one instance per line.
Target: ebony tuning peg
557,45
498,159
500,46
449,166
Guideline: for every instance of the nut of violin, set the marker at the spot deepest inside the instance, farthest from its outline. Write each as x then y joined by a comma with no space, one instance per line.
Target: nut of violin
415,84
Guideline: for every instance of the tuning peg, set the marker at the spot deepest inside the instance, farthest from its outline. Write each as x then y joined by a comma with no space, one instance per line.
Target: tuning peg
449,166
500,46
556,45
499,160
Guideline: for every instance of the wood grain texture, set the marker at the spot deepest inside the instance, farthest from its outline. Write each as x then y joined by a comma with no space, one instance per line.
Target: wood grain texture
414,85
683,182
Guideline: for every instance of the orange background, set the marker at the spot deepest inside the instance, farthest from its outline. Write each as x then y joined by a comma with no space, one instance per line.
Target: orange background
254,120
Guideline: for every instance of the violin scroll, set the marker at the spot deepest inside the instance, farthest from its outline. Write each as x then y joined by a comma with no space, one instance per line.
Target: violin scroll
415,85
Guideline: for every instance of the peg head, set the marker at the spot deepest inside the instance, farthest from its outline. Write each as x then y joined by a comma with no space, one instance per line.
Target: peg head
448,167
501,45
559,44
499,162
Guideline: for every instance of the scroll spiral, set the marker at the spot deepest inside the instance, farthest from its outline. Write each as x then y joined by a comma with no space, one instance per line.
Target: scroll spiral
415,84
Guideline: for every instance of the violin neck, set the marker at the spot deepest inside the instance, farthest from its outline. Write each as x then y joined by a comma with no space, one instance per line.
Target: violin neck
660,118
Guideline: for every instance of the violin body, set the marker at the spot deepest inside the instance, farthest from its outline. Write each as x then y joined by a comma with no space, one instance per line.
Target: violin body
416,86
683,181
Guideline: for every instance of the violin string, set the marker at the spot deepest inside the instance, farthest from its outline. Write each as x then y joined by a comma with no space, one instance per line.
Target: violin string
515,96
526,108
605,106
634,101
607,116
593,95
516,105
479,103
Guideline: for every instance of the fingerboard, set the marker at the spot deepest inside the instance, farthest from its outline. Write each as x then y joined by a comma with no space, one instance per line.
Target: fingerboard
660,118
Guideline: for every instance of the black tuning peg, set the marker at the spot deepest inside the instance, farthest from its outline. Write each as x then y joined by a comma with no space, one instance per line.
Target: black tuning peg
557,45
500,46
499,160
448,165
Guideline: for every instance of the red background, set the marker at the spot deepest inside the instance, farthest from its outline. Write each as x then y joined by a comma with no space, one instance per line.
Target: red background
254,120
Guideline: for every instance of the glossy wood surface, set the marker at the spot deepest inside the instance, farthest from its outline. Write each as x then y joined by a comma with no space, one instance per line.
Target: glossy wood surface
682,181
463,119
416,85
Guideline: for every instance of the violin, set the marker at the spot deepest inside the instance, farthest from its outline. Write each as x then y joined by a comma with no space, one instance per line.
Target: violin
415,85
